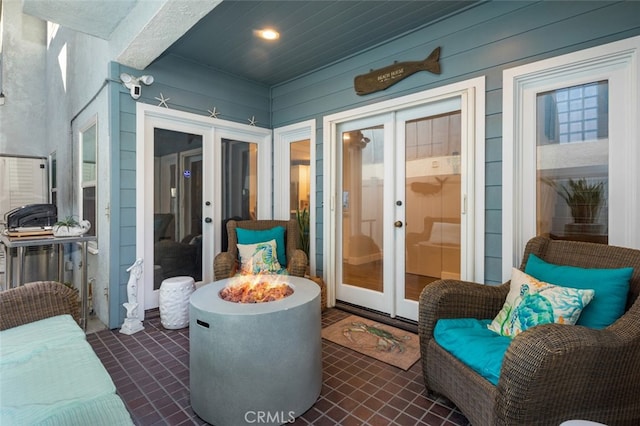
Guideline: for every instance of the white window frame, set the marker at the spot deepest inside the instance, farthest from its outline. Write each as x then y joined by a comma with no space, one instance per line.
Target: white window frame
92,246
616,62
283,137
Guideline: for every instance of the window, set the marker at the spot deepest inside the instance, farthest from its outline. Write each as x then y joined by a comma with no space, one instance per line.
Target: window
88,176
53,178
572,164
300,176
294,180
574,114
570,149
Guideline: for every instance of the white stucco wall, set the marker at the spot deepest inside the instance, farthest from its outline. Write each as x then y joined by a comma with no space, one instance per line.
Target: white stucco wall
22,117
77,90
54,80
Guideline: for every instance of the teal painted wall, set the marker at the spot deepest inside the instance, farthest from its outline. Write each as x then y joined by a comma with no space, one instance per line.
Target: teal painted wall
484,40
191,88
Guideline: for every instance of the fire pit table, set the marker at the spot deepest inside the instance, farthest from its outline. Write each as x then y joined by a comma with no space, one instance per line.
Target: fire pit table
255,362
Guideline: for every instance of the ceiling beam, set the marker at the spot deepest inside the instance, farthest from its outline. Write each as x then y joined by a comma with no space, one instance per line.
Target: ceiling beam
136,44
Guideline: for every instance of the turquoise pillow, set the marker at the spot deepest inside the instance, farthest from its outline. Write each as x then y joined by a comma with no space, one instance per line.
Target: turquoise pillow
250,236
611,287
469,340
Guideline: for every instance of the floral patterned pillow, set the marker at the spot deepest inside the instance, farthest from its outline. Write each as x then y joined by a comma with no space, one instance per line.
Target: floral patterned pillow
531,302
259,258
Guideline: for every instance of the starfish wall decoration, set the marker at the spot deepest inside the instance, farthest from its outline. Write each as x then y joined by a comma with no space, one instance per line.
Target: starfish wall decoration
163,100
213,113
252,121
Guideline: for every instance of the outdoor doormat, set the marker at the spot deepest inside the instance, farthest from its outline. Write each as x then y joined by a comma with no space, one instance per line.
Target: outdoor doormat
388,344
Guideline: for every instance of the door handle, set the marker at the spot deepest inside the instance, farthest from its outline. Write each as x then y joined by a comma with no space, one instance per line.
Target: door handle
398,224
208,219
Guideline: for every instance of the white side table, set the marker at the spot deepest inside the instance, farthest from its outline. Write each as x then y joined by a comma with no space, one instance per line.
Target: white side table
174,301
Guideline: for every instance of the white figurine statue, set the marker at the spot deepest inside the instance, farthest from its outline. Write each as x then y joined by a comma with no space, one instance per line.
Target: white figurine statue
132,323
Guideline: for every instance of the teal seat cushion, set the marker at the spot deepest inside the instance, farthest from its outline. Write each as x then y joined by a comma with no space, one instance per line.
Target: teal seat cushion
611,288
50,375
251,236
469,340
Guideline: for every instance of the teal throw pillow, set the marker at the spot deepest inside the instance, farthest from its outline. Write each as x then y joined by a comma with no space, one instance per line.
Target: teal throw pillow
611,288
250,236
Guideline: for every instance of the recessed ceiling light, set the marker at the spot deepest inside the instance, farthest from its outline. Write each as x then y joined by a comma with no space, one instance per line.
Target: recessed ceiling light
268,34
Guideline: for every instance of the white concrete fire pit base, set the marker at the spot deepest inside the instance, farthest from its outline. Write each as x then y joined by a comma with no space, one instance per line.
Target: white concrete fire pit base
257,363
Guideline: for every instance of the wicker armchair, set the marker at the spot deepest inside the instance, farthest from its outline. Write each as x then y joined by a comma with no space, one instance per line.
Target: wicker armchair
35,301
550,373
225,264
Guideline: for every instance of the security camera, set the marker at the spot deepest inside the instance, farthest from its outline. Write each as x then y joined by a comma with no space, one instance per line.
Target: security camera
135,90
133,83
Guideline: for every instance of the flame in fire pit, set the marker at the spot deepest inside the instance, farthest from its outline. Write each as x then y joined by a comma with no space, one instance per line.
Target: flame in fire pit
255,290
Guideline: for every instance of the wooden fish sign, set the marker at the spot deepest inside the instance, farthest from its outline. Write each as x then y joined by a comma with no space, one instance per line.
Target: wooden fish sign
386,77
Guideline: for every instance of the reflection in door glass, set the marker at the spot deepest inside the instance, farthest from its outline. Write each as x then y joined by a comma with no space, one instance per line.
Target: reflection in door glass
432,194
177,219
362,225
239,177
239,180
573,163
300,188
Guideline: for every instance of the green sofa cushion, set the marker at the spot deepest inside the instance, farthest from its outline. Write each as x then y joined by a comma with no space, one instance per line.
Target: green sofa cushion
49,374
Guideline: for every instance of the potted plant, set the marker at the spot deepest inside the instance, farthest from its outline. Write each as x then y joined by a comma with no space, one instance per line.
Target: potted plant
585,201
70,227
303,226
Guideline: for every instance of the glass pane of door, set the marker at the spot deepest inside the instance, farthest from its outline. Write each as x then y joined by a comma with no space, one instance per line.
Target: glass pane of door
177,219
362,207
89,176
191,203
239,177
573,162
300,188
432,197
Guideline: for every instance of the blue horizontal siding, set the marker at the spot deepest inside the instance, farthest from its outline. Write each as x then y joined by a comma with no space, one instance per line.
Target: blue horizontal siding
482,41
196,89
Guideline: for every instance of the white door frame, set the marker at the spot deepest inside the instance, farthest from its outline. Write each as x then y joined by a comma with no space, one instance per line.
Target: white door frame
473,91
212,131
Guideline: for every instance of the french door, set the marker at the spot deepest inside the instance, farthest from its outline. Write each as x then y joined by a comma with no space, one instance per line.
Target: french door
192,177
401,211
